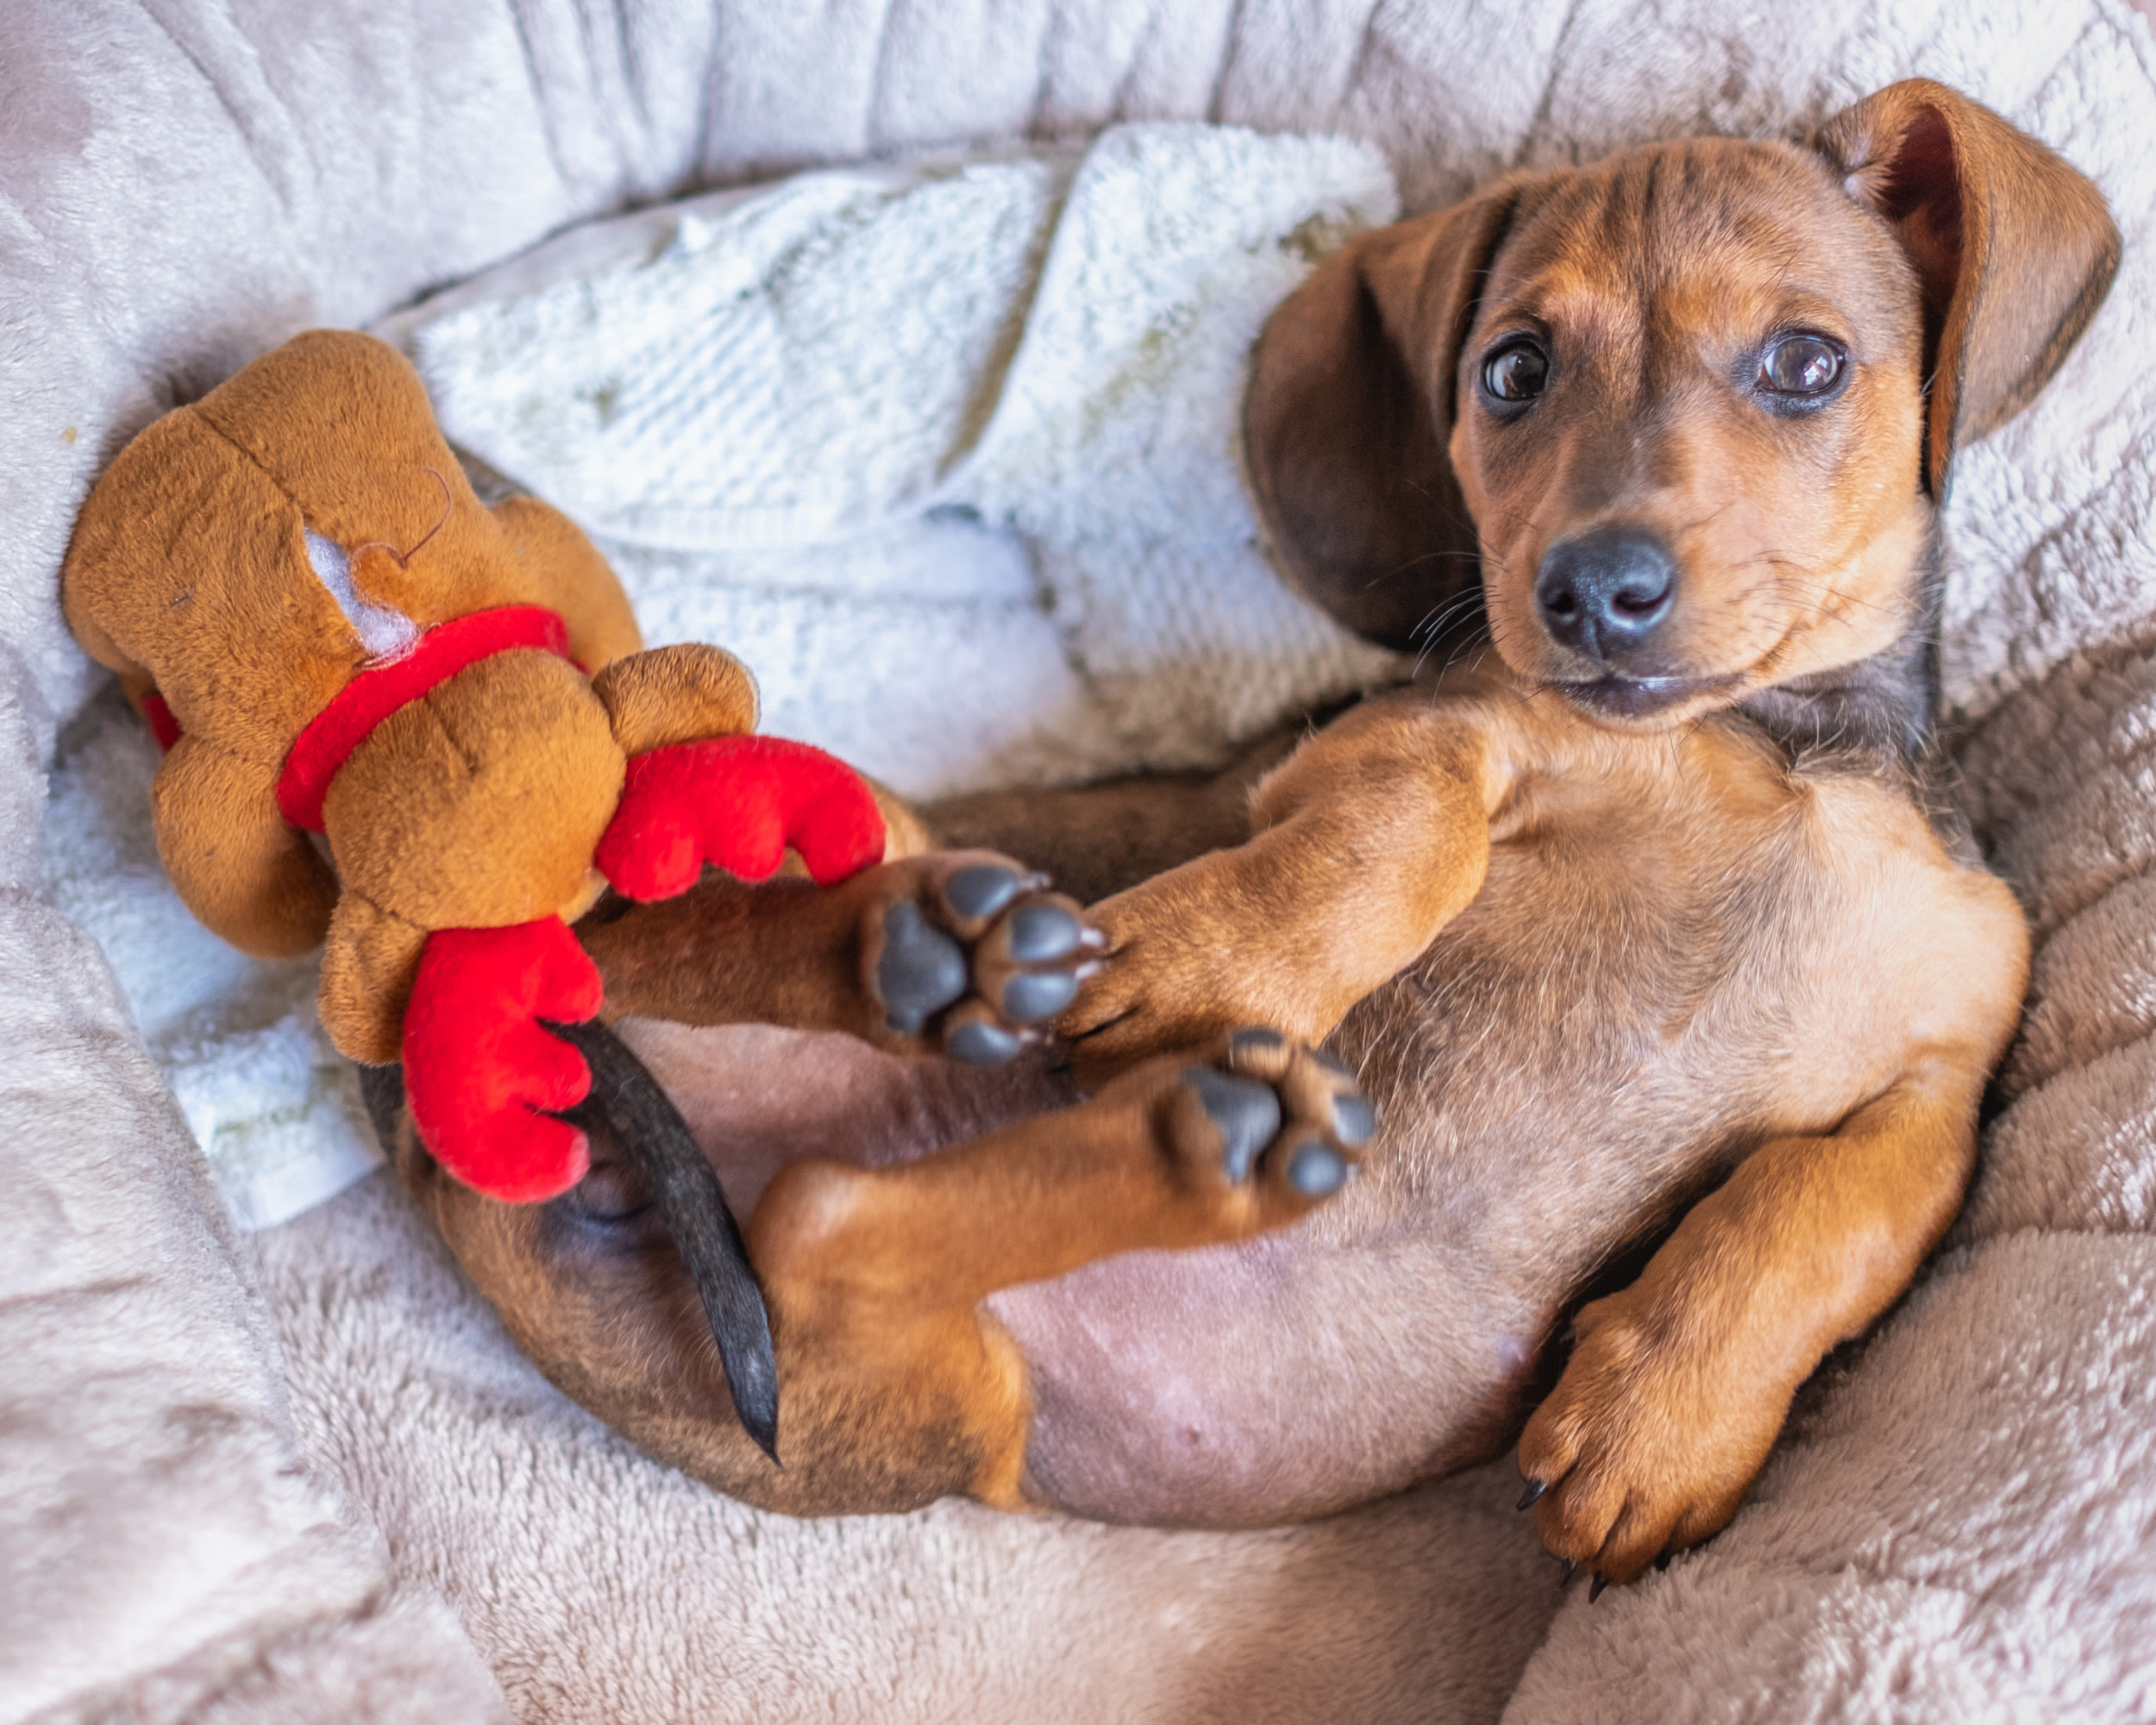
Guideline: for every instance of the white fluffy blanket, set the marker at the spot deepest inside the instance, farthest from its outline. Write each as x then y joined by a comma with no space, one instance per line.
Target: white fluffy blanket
302,1476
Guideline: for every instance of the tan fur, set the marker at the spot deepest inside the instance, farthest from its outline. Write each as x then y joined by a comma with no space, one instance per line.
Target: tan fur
675,695
1680,968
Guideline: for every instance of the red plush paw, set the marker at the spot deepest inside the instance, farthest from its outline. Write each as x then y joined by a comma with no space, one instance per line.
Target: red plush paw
478,1066
738,802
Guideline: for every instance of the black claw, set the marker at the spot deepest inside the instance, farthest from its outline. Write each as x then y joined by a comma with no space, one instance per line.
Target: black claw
982,890
1028,999
1354,1120
1565,1571
1246,1112
981,1044
922,971
1041,933
1533,1495
1594,1587
1254,1040
1317,1171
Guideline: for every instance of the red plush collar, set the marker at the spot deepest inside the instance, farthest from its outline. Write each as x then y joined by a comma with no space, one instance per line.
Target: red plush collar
374,695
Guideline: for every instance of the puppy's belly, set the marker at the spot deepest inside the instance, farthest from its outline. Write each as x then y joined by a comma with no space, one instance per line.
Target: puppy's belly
1245,1386
1229,1386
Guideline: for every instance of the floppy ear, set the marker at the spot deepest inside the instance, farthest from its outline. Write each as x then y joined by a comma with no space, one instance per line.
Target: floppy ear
2014,249
1351,410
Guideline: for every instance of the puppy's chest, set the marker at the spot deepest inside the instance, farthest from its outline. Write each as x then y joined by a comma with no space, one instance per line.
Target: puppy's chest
1663,968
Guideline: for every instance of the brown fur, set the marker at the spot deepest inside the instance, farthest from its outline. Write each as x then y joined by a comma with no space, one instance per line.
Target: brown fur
477,804
1677,966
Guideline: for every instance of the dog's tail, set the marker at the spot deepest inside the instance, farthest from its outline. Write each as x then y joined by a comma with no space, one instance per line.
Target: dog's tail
627,1103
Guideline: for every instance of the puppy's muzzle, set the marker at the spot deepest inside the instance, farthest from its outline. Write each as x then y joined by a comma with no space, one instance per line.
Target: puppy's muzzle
1606,594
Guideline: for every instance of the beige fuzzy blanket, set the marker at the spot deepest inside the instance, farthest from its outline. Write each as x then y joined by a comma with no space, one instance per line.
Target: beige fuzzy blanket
300,1475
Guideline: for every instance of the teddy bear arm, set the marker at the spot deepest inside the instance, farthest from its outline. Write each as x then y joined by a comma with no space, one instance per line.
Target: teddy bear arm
247,876
568,575
368,965
680,694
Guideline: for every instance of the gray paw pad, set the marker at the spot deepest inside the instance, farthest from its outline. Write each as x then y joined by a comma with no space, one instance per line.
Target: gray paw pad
1028,999
1354,1120
1247,1115
1316,1170
1042,932
982,890
981,1044
922,969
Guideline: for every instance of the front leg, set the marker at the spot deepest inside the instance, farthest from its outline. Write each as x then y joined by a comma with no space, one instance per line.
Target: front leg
1366,843
1678,1385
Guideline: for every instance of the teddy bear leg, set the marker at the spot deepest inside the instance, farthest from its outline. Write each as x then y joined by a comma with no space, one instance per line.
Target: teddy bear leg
486,1073
368,963
676,694
738,803
247,874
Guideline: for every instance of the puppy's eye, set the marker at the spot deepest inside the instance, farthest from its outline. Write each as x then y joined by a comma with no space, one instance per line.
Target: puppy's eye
1515,372
1802,367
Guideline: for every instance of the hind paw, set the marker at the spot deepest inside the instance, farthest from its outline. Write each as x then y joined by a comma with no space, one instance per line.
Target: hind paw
1256,1130
966,953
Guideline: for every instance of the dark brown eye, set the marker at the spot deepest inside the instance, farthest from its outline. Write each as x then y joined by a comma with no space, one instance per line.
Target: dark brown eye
1515,372
1805,367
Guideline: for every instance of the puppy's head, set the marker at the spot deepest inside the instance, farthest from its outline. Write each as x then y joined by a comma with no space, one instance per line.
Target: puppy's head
1688,411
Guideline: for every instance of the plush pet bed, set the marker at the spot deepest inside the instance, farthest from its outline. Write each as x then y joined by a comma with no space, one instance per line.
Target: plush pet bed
298,1473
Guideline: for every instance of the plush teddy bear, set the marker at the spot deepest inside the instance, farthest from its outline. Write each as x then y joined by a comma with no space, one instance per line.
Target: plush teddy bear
330,634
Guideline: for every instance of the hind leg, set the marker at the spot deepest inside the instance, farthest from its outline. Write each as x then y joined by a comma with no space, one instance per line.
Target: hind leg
895,1387
961,953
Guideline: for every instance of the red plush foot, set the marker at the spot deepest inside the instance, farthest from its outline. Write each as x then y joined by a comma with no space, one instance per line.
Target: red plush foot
477,1064
738,802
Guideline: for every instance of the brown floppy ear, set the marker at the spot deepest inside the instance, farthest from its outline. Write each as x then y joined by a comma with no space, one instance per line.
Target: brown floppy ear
2014,249
1350,412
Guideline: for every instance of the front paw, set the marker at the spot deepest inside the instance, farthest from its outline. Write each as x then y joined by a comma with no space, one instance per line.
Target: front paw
1168,982
965,952
1647,1443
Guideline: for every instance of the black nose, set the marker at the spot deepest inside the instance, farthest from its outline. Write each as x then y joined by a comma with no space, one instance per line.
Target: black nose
1605,592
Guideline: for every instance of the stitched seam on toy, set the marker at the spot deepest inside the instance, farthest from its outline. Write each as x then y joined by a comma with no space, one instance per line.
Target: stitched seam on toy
374,695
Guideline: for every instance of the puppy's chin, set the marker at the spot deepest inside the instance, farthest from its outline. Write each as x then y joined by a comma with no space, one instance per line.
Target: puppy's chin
1648,703
1618,702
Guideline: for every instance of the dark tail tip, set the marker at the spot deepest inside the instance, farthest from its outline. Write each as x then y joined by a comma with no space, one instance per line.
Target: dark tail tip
627,1100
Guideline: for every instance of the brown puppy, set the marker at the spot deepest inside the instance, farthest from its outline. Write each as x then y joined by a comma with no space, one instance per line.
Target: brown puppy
1643,927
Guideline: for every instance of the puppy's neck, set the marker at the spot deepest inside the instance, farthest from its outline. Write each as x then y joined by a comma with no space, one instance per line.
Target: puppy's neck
1879,709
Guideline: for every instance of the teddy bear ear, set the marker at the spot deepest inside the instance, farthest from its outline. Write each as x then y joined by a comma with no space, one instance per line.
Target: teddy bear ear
2014,249
186,570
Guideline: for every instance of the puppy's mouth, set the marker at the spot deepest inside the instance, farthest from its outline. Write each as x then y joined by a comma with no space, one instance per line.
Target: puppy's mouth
1646,698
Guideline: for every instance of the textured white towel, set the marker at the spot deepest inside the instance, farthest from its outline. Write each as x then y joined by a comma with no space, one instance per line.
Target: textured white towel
947,453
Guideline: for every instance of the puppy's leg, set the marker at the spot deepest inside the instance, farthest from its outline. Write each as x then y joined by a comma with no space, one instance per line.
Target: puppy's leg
895,1387
958,952
1367,841
874,1276
1677,1385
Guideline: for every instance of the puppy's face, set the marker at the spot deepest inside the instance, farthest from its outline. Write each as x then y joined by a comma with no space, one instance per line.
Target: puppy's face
1679,419
1689,430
